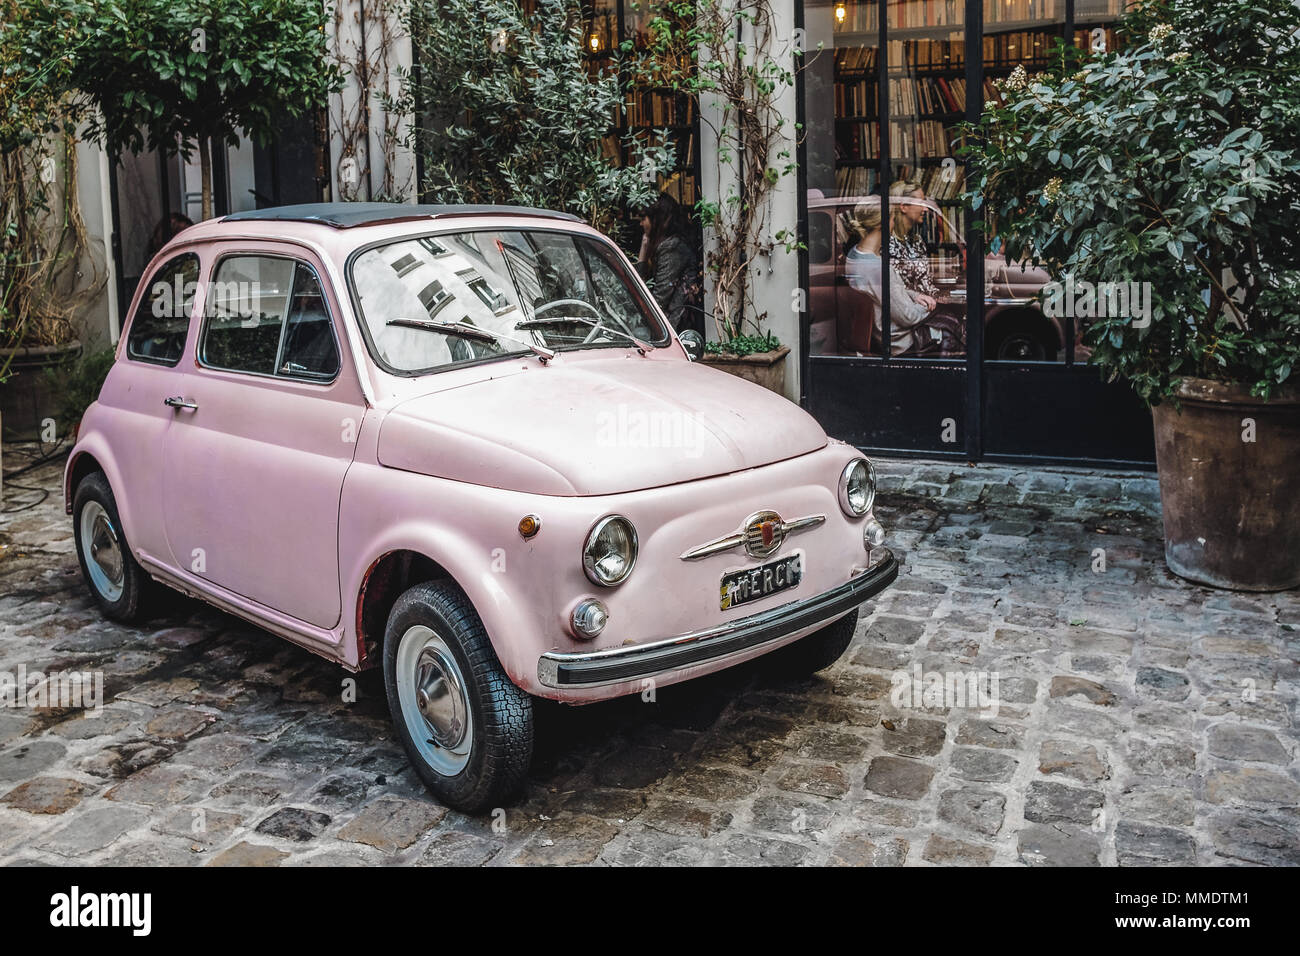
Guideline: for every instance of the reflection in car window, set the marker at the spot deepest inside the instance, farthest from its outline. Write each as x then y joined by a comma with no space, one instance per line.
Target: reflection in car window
554,289
163,316
267,314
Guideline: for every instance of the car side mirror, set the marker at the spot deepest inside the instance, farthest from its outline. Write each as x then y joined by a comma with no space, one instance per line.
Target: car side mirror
693,343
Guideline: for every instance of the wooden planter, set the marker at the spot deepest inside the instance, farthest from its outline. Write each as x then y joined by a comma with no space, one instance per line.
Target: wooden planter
26,397
1229,472
761,368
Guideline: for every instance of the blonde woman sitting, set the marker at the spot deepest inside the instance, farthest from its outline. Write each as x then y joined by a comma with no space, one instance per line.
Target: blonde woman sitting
908,311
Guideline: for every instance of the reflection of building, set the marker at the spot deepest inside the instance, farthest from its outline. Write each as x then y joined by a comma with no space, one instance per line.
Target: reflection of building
448,278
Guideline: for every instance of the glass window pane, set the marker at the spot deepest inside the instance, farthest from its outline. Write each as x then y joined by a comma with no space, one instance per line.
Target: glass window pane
163,317
247,301
843,163
548,288
310,349
1019,35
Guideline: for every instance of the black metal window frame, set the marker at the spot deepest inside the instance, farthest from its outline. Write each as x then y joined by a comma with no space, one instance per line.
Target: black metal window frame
973,365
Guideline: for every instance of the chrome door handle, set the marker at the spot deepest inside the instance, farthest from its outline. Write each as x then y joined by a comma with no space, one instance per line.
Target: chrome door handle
177,401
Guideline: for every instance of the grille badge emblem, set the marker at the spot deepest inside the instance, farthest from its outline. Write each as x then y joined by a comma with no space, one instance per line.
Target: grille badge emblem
762,534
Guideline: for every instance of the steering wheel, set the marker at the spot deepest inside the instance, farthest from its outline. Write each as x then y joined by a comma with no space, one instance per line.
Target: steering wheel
556,303
598,317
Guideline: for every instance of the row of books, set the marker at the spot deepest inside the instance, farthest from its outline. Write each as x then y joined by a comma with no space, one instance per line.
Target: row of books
920,97
647,108
928,13
927,139
942,184
681,186
926,96
1028,47
859,16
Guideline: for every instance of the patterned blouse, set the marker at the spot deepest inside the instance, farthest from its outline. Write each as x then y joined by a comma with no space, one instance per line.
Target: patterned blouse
912,260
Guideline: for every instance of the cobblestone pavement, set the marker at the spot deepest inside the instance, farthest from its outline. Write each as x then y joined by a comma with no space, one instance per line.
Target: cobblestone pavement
1142,720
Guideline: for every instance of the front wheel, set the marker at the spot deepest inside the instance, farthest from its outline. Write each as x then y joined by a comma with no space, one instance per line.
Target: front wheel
466,727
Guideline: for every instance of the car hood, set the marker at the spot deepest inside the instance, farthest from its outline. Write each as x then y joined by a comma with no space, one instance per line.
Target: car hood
594,426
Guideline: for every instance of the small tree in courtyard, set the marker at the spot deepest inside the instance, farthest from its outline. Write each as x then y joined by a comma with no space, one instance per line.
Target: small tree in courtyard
179,75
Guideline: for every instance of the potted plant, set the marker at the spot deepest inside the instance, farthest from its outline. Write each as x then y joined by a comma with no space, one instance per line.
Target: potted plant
1171,169
756,358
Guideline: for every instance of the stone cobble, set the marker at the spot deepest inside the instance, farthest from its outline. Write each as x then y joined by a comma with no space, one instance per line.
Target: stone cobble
1140,720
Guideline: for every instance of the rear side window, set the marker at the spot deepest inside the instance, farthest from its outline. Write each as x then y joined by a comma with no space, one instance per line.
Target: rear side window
267,315
163,317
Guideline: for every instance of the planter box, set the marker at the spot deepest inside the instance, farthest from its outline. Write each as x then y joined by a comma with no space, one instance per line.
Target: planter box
762,368
26,398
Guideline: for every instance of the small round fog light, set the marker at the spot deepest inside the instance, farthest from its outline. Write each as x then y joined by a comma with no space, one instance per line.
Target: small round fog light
873,534
589,619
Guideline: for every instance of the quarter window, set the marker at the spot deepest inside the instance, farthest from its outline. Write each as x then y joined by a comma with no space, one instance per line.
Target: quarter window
267,315
163,317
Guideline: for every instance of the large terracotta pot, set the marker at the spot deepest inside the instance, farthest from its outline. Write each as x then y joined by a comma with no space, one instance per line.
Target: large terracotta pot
1231,504
761,368
26,397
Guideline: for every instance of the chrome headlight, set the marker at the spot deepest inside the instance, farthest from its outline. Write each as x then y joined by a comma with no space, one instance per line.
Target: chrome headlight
610,552
857,487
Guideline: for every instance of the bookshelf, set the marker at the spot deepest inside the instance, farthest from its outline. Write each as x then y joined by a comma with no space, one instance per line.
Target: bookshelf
647,110
926,82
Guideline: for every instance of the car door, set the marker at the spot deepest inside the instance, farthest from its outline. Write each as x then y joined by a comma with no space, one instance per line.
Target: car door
263,435
148,370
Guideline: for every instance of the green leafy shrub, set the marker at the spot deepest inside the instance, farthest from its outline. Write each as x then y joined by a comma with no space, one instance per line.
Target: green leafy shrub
1176,162
744,345
78,383
183,74
507,111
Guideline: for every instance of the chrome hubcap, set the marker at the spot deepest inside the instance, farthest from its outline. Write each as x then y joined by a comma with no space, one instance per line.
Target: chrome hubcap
103,551
439,697
434,701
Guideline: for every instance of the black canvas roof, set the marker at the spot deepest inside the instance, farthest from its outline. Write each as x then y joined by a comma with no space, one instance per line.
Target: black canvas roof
342,215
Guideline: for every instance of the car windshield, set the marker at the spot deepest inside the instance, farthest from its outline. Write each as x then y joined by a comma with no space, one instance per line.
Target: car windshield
430,302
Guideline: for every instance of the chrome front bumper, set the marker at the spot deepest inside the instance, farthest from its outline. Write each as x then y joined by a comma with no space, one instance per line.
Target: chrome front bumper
617,664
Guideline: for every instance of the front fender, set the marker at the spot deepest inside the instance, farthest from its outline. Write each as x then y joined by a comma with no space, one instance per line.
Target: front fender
475,540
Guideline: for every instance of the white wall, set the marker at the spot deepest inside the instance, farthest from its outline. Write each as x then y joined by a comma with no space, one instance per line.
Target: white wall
98,318
366,163
774,276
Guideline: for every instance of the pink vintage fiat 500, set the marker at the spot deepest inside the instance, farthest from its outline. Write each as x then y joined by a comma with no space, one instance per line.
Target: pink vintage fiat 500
461,443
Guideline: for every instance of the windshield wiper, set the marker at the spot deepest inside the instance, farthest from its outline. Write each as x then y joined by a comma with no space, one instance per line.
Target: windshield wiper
581,320
466,331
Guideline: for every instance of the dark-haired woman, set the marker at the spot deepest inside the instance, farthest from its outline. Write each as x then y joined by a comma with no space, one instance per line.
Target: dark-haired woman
168,228
669,264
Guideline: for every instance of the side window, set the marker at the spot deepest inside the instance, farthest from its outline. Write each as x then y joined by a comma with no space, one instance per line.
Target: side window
163,316
309,347
267,315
